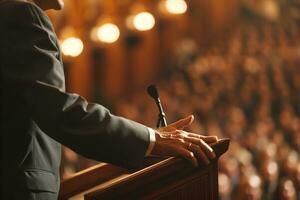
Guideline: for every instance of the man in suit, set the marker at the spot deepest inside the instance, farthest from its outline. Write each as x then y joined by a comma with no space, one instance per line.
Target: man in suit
38,115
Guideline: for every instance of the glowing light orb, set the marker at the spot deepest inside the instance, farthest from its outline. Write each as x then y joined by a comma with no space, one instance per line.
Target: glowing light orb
108,33
72,46
143,21
176,6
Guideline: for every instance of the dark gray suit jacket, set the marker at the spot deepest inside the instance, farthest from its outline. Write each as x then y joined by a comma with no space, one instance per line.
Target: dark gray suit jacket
37,114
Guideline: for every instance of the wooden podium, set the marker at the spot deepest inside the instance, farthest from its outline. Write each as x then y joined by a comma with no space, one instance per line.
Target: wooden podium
171,178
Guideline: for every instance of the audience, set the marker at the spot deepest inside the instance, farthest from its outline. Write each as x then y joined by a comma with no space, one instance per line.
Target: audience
246,88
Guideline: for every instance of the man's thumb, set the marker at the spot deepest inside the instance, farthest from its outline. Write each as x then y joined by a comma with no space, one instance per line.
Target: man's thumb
181,124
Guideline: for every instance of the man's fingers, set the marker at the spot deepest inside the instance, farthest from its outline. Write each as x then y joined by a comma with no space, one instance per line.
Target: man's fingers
205,147
181,124
198,152
184,139
190,146
209,139
186,154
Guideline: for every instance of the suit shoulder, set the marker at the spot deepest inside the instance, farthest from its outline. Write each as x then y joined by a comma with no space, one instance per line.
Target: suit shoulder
17,9
17,5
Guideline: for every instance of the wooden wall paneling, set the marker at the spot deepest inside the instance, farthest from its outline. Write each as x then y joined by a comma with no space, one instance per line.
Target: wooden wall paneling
114,67
79,71
223,13
113,71
145,59
172,30
209,19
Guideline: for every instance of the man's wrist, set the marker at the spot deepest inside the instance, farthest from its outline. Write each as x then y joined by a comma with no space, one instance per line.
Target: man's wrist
152,141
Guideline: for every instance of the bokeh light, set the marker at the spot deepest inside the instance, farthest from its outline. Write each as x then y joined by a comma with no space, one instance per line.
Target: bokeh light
176,6
108,33
72,46
143,21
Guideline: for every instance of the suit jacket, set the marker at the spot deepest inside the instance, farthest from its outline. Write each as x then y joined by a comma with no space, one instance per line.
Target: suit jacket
37,114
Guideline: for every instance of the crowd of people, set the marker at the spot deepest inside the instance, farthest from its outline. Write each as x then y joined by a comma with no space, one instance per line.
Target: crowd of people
246,88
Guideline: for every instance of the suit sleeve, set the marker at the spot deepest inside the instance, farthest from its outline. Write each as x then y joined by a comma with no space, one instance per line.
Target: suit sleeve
30,66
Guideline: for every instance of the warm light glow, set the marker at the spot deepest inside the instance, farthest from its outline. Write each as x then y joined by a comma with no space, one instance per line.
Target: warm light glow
93,34
254,181
108,33
72,46
271,9
143,21
129,23
176,6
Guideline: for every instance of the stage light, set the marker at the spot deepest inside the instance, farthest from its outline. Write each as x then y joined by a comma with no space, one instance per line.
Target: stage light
72,46
108,33
176,6
143,21
271,9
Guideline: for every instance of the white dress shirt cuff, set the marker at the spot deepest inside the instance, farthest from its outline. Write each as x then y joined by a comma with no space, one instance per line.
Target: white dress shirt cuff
152,141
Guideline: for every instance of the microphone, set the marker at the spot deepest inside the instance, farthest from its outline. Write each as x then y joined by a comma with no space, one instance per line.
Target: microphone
153,92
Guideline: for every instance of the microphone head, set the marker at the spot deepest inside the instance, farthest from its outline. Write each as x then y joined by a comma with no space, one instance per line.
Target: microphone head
152,91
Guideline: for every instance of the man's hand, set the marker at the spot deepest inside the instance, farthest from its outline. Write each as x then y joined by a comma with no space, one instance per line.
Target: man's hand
174,141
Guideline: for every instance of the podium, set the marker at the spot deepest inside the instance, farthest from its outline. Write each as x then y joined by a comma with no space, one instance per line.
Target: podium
171,178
